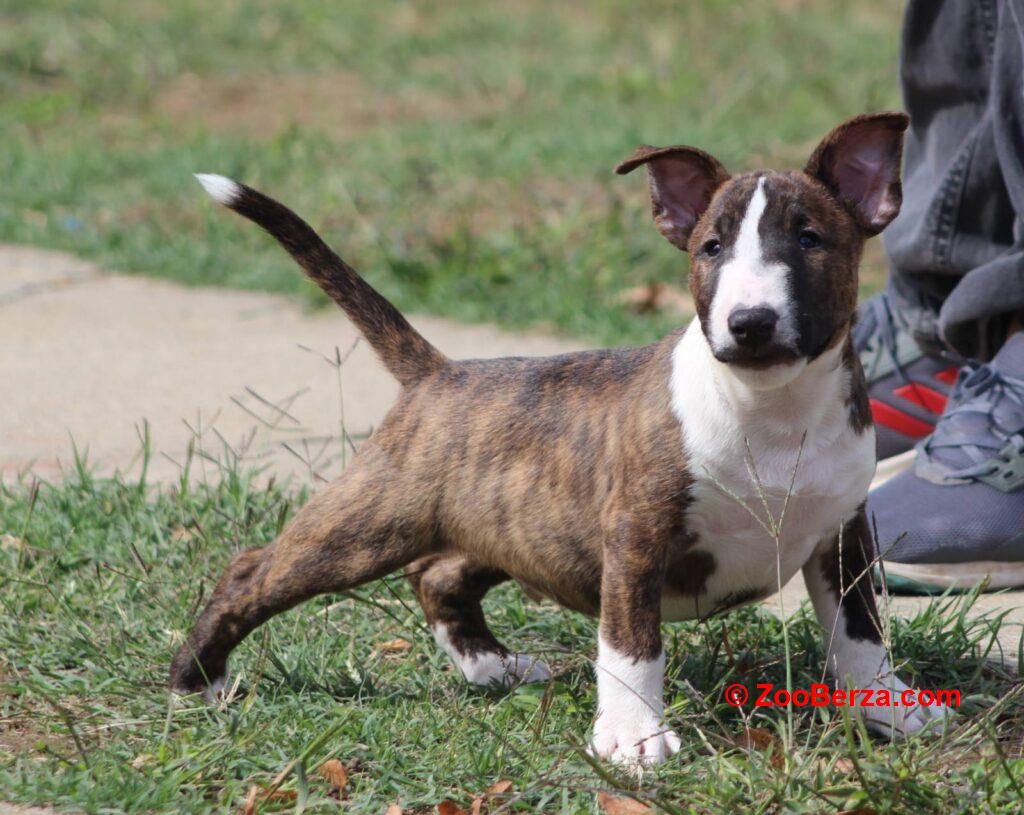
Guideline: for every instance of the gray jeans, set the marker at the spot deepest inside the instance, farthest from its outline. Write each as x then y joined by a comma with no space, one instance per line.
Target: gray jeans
957,247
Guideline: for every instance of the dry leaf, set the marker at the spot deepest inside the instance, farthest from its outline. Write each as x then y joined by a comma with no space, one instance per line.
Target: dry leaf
141,759
499,787
394,809
616,805
757,738
450,808
250,801
844,765
257,793
655,297
9,542
395,646
335,773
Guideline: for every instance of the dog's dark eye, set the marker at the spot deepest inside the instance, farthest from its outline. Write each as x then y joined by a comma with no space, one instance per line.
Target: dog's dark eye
809,239
712,248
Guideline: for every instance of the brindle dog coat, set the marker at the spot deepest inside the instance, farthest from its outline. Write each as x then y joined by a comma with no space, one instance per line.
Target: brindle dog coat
639,485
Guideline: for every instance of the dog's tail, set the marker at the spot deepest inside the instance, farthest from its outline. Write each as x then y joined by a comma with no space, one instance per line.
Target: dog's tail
401,347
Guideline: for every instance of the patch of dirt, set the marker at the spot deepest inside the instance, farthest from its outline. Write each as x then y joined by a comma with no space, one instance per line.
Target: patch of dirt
258,105
18,737
21,735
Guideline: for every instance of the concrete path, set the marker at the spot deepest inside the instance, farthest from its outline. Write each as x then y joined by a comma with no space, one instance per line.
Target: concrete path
91,356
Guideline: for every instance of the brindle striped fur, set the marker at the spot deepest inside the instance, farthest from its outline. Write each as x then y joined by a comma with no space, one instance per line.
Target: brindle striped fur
566,474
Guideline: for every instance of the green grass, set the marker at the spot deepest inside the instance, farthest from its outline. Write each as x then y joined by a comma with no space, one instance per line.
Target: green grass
99,579
459,154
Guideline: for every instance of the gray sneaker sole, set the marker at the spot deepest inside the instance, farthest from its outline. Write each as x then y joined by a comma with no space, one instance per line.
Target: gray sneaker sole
891,467
998,574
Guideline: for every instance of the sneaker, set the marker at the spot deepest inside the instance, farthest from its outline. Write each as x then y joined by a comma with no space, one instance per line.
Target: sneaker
907,387
957,517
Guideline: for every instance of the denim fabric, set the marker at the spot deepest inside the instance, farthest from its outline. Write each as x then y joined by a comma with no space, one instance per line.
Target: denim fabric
957,248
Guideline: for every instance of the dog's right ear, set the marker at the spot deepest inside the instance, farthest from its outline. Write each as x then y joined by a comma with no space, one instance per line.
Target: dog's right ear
682,180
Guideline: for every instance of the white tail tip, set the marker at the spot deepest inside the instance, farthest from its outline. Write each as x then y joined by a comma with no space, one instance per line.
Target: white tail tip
220,188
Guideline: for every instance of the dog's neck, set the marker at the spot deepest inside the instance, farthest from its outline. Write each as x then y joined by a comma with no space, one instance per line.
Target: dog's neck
814,396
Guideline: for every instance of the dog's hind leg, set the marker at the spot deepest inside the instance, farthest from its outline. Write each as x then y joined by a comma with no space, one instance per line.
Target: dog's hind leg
450,588
359,528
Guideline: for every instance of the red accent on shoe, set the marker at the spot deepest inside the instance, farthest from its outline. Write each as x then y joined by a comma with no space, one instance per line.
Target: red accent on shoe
923,396
899,421
948,376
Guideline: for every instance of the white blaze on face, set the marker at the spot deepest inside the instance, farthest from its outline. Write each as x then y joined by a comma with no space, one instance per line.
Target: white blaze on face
747,280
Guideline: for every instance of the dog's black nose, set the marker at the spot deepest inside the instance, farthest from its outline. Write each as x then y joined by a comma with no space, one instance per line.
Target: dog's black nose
751,327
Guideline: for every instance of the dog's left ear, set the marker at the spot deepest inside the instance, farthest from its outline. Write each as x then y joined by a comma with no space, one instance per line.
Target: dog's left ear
682,181
859,162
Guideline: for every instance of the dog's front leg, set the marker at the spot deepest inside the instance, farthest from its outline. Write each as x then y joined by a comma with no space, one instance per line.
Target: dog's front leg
629,728
839,581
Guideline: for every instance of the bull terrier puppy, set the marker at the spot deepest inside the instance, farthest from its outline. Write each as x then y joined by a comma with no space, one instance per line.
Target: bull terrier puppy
638,485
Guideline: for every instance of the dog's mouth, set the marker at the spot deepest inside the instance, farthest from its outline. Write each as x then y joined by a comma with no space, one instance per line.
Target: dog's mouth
757,359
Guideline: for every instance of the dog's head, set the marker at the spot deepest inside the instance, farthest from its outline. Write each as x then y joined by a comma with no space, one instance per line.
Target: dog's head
774,255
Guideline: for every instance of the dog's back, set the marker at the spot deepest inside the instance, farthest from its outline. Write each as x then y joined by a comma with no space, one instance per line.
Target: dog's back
521,456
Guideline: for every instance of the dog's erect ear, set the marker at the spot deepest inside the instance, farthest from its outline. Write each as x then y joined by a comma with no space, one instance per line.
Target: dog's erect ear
682,180
859,162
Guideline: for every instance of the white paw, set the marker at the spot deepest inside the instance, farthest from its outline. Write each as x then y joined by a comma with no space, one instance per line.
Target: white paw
490,667
524,668
494,669
633,742
629,728
210,694
215,691
905,715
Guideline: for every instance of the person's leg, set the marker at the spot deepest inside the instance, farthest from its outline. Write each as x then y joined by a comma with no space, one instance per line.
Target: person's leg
989,301
957,219
958,214
957,287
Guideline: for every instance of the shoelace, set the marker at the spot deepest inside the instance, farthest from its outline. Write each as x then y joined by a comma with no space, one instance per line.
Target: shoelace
878,324
981,389
879,321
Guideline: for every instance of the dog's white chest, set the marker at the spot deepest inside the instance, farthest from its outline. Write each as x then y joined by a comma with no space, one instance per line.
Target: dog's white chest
775,472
